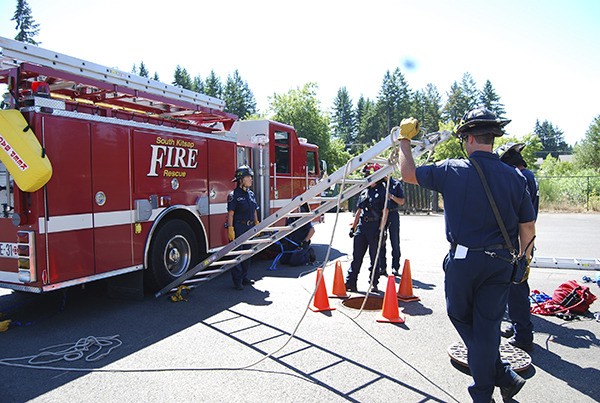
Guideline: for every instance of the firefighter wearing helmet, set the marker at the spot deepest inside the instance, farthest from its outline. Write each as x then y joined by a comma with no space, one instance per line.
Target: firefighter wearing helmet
242,215
368,220
520,329
478,267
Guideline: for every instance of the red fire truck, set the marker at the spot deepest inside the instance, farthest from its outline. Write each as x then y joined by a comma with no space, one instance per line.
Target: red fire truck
104,173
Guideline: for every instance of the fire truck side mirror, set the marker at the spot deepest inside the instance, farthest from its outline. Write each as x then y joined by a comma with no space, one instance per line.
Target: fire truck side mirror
323,168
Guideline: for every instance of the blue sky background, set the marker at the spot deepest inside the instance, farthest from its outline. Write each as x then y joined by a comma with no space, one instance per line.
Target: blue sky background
541,56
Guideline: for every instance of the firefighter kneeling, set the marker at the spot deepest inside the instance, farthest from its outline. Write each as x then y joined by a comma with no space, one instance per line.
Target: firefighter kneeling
296,246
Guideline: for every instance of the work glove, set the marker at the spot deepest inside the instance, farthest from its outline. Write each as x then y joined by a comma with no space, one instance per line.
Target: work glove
256,222
409,128
230,233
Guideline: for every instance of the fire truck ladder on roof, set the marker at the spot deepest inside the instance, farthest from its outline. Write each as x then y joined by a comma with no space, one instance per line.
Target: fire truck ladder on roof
268,232
87,80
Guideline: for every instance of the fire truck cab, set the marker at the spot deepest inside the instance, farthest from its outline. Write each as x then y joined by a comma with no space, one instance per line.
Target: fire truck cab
104,173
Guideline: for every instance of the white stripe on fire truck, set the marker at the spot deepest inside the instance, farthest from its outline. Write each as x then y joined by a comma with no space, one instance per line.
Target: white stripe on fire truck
106,219
8,277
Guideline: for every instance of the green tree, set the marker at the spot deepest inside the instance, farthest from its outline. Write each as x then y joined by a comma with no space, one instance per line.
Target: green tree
370,124
300,108
155,77
587,153
213,86
182,78
198,84
394,101
552,138
457,104
450,148
143,72
491,100
343,120
238,97
428,108
26,27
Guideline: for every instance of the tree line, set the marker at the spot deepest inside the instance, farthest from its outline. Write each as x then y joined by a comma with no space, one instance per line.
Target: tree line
347,128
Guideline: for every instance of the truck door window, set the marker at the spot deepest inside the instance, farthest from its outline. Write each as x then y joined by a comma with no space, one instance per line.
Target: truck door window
282,152
311,162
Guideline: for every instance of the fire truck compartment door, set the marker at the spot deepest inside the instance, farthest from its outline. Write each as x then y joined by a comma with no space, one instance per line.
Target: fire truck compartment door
21,152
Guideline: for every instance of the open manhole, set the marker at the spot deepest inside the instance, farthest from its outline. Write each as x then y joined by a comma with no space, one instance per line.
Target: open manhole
373,303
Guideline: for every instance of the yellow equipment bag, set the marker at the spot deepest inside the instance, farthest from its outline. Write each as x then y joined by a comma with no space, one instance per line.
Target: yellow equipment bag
21,152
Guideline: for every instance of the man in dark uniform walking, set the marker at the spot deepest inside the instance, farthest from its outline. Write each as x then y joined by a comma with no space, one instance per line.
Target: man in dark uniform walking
521,327
369,218
241,216
478,268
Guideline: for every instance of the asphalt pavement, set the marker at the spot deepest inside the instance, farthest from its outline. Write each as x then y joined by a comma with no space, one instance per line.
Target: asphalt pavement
223,345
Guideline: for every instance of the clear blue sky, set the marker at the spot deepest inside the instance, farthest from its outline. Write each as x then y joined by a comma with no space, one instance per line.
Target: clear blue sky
542,56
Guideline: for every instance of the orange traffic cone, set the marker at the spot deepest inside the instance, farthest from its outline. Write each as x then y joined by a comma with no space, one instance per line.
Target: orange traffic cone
320,301
405,291
389,310
339,286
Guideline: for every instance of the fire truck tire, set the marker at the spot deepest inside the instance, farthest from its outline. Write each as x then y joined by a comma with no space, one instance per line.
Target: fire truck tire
174,251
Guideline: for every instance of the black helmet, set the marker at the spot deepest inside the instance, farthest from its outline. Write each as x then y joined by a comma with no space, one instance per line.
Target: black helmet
480,121
242,171
510,153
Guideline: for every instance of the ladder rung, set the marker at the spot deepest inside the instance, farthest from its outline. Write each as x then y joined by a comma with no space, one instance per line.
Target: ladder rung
223,263
258,240
324,198
240,252
293,215
284,228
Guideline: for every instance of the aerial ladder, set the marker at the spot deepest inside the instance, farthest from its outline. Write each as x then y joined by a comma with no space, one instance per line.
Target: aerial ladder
103,85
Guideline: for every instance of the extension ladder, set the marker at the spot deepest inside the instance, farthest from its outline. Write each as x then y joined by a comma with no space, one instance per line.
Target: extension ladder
112,87
565,263
268,232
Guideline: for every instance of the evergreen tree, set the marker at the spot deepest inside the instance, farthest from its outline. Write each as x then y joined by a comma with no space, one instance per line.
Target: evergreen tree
343,122
26,27
428,106
469,91
587,153
456,106
394,100
198,84
155,77
143,70
182,78
212,85
491,100
371,123
552,139
238,98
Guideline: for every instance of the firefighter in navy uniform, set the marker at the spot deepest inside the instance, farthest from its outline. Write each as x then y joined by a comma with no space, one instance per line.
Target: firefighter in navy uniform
396,199
521,327
369,218
241,216
478,268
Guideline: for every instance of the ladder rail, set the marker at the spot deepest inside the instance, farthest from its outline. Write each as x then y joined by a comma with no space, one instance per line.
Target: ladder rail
25,52
426,144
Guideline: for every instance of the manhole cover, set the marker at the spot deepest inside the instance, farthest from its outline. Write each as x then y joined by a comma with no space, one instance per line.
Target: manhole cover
373,303
518,359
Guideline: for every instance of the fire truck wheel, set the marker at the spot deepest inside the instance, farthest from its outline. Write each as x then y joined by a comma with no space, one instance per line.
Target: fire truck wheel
174,251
